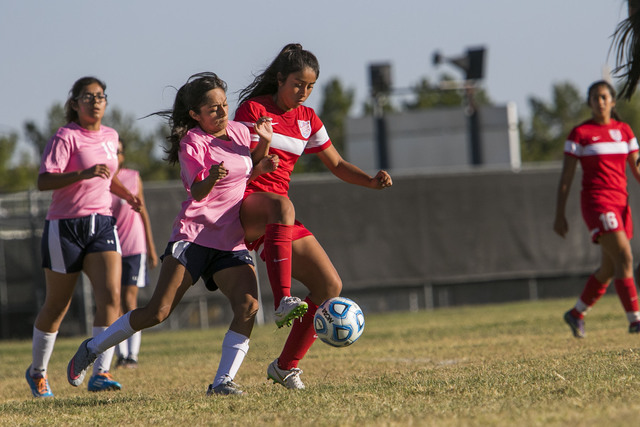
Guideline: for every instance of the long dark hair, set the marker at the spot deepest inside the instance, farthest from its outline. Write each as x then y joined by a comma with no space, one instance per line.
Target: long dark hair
612,91
291,59
191,96
626,44
70,114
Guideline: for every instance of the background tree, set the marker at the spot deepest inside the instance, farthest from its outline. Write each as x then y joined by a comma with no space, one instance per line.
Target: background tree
39,136
551,123
428,96
142,152
629,111
16,176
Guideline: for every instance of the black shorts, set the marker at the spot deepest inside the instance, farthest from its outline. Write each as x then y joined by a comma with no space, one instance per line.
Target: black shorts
134,270
65,242
203,262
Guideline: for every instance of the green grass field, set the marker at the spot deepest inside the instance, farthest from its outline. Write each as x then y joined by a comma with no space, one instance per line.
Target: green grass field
506,365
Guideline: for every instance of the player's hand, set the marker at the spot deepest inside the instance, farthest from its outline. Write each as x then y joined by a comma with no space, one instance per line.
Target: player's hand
101,170
264,128
152,259
269,163
134,202
382,180
217,172
561,226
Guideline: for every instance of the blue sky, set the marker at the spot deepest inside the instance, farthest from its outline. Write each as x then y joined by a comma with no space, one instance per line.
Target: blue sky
139,47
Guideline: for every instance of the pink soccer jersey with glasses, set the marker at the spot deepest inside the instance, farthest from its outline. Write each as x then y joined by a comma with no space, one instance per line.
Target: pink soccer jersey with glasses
74,148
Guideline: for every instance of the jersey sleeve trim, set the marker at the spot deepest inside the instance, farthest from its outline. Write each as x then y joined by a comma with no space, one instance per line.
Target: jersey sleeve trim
323,147
572,148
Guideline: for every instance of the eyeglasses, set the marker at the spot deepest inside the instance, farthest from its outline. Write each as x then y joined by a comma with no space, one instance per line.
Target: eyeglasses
88,98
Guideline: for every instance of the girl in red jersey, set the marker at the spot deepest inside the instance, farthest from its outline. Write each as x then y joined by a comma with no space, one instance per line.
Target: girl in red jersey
267,214
603,145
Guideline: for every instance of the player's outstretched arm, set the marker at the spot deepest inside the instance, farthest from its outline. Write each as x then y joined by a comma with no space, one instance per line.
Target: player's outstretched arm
560,225
351,173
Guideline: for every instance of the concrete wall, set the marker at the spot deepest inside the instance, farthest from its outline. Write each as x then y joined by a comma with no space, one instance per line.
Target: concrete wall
436,139
432,240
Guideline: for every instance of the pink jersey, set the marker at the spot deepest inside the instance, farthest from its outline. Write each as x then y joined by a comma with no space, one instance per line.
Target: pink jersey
214,222
133,240
295,132
602,151
74,148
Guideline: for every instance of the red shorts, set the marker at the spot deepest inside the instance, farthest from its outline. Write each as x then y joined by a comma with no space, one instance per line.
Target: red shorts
299,231
607,219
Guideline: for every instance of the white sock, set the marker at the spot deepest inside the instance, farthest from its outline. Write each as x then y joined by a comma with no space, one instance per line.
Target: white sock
103,361
122,349
234,347
581,307
41,350
633,316
119,331
134,345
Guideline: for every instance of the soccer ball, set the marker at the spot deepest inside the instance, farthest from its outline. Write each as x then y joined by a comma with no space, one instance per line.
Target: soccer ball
339,322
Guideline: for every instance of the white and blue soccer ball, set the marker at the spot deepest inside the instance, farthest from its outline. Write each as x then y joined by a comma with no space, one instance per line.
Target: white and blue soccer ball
339,322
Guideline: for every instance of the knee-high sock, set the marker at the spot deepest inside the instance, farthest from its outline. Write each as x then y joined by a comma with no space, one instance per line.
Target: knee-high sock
277,251
41,350
134,345
119,331
628,294
122,349
300,340
234,347
592,292
103,361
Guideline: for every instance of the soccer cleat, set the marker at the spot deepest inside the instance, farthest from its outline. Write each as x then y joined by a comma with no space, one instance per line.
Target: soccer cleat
126,362
288,378
79,363
131,363
226,388
290,308
103,382
576,325
38,383
121,362
634,328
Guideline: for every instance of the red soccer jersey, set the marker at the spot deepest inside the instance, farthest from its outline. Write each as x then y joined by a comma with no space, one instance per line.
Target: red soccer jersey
602,151
295,132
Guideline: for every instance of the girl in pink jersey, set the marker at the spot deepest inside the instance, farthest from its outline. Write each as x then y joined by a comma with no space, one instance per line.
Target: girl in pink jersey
604,146
207,240
267,214
138,250
78,164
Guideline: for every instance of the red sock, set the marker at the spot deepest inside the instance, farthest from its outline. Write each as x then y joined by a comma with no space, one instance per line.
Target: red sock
593,290
300,340
626,289
277,255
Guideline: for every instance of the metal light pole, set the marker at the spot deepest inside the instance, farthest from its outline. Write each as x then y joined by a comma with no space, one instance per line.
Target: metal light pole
380,80
475,138
473,66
